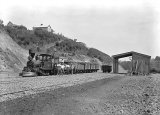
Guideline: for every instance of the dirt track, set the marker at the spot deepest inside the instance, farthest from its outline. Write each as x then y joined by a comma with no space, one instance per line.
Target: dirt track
118,95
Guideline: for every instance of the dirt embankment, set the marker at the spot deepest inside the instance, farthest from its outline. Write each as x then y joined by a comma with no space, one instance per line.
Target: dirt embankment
12,56
130,95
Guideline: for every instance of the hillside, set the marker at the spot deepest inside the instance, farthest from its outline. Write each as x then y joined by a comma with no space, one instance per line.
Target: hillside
12,56
50,42
106,59
126,64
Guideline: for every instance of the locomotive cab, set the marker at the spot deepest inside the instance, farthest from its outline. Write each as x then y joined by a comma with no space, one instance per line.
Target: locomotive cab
47,64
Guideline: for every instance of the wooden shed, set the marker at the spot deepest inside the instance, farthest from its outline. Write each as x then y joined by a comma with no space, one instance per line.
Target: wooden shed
140,62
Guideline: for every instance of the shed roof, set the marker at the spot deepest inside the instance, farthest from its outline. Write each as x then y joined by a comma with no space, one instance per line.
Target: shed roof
130,54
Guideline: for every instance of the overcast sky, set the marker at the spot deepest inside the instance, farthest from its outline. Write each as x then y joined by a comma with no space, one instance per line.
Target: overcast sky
112,26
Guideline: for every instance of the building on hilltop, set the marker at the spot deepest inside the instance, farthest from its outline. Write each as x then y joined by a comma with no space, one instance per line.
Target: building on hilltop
45,28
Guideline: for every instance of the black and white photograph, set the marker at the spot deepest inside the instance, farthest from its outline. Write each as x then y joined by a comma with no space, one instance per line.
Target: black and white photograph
79,57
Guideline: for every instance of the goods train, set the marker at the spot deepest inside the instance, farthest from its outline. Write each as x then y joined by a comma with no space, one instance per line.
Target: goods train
49,65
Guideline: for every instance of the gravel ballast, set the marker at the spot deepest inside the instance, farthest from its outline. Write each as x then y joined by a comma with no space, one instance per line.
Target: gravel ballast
102,94
12,88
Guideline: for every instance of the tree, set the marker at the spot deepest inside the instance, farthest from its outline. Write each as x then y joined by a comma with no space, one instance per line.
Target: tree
157,58
1,22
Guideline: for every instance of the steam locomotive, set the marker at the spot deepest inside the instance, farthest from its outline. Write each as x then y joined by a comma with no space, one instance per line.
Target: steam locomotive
50,65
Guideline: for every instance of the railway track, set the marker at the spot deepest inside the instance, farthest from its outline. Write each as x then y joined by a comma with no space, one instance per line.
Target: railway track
23,86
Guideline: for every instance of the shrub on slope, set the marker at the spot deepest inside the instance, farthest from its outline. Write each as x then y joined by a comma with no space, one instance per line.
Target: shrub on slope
71,46
92,52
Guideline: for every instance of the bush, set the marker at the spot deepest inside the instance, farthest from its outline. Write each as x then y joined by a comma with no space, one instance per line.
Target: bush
154,70
71,46
92,52
1,24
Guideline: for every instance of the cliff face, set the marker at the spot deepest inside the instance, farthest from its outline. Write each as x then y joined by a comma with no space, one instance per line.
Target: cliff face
12,56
